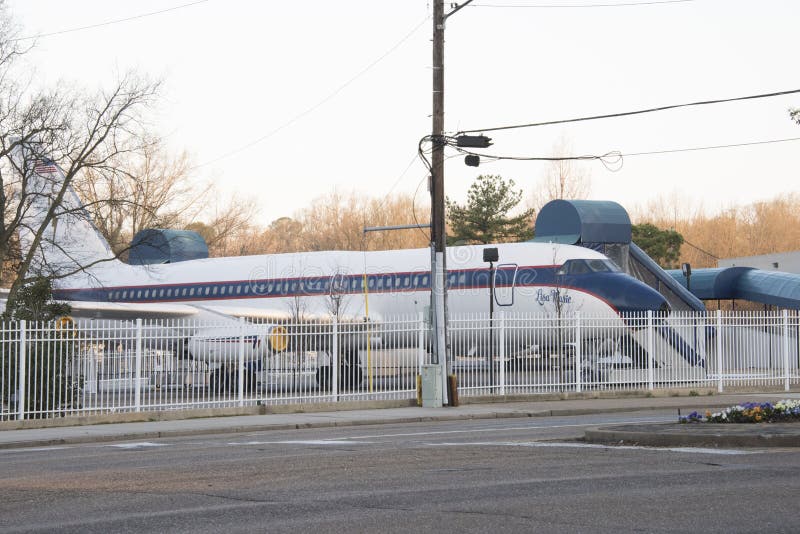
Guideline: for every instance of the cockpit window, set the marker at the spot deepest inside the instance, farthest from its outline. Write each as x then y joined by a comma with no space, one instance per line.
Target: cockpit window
587,266
574,267
602,266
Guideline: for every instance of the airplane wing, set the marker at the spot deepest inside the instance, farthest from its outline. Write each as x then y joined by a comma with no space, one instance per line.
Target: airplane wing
121,311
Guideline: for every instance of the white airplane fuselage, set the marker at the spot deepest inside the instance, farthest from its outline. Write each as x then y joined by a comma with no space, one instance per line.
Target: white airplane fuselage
397,282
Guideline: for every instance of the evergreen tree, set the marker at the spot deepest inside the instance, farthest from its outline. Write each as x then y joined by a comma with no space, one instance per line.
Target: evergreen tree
51,383
664,246
485,217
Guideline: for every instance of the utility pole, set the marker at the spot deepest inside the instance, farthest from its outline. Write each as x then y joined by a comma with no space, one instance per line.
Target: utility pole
438,235
438,246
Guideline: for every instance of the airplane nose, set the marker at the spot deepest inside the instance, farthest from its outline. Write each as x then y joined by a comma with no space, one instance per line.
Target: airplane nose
632,295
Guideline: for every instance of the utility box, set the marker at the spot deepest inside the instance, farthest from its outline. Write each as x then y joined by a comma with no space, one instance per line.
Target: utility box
431,386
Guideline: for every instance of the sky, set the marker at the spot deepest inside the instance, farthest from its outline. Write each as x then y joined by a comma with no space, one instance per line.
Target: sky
284,102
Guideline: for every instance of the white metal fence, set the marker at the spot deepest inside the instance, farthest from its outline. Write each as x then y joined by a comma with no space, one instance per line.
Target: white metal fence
100,367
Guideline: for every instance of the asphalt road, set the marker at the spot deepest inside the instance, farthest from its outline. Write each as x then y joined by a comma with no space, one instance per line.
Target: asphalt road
499,475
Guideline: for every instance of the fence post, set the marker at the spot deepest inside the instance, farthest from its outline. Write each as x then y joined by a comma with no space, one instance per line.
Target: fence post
650,350
137,375
335,360
240,374
719,351
578,355
502,335
786,349
21,363
420,343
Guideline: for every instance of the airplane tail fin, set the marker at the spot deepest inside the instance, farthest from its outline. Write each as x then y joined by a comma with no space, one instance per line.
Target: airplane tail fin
71,242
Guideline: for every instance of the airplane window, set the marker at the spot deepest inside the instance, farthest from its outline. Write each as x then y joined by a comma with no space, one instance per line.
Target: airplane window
380,283
247,289
238,290
407,281
612,266
424,280
191,292
598,266
139,294
462,279
222,290
206,290
577,267
147,293
214,290
371,283
124,294
169,292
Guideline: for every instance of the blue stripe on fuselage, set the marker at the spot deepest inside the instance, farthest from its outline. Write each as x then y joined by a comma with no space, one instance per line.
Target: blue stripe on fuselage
612,287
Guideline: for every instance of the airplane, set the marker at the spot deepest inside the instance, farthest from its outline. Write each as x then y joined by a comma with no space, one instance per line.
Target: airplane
362,287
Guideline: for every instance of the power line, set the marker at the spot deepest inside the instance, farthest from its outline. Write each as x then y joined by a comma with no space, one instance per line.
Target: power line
707,253
582,6
613,160
110,22
318,104
629,113
712,147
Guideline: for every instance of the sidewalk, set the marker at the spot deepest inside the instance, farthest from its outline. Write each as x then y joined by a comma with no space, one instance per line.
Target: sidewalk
40,437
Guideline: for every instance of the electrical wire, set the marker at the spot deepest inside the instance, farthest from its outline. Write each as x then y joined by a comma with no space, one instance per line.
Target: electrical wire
629,113
707,253
318,104
712,147
414,209
386,196
109,22
581,6
614,160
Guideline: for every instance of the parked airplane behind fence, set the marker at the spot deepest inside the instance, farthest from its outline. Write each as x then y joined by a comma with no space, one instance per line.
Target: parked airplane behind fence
363,286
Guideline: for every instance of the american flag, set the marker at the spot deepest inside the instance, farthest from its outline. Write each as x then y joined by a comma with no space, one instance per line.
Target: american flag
45,166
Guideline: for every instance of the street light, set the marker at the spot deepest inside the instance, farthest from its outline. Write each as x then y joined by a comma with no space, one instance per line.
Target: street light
491,255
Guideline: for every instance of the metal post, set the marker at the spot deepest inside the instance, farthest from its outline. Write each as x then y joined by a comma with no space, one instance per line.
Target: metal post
240,374
786,349
490,356
578,358
21,363
650,350
420,342
502,318
440,333
335,360
138,367
719,351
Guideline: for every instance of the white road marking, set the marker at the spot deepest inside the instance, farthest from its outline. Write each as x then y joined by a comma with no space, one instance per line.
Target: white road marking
140,445
302,442
543,444
35,449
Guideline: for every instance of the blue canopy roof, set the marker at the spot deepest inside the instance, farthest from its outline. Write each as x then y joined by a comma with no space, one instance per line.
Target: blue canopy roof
572,222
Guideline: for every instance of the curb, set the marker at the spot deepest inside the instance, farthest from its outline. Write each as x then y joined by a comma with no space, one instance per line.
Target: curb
695,435
93,434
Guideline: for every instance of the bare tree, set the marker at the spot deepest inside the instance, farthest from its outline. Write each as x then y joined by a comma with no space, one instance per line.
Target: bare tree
564,179
40,129
145,189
